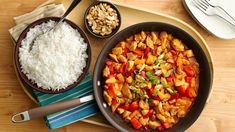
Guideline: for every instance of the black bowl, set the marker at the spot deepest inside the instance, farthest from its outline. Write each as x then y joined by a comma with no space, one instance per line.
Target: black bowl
89,27
205,78
30,82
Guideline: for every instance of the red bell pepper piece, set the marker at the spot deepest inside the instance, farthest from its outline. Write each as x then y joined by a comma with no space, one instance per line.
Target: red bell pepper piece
188,79
190,92
135,123
189,71
174,96
125,51
111,91
128,73
122,68
111,69
167,125
181,90
138,52
114,101
146,52
170,78
109,62
173,52
133,106
150,113
124,106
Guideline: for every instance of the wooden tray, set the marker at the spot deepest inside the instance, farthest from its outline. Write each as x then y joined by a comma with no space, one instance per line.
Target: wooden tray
130,15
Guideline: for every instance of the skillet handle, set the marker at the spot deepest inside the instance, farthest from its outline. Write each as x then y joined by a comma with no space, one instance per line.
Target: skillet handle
49,109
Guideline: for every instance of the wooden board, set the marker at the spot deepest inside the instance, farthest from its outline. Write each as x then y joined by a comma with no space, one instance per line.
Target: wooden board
214,118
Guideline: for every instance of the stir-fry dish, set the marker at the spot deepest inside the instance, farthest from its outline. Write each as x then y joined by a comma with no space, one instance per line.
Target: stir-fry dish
151,80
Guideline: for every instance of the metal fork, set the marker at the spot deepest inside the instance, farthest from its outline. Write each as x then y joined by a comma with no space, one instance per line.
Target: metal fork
210,11
215,3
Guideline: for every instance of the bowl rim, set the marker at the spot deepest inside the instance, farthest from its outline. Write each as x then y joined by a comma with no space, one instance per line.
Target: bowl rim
96,82
114,30
33,85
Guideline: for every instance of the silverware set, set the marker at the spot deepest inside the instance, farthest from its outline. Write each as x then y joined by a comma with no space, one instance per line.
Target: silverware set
213,8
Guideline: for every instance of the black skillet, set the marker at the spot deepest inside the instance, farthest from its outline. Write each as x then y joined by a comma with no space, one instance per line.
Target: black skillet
204,77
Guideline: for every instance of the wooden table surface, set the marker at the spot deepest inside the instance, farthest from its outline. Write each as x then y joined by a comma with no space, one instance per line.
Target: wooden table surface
218,114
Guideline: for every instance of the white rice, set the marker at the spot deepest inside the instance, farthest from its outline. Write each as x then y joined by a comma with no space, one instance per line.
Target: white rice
57,58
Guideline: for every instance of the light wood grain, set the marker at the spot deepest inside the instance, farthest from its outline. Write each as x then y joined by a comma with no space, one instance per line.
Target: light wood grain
218,114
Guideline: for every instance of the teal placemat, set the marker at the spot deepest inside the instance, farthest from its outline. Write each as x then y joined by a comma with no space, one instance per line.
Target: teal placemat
72,115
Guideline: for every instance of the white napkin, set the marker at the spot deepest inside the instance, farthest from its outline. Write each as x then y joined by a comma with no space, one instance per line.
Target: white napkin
46,9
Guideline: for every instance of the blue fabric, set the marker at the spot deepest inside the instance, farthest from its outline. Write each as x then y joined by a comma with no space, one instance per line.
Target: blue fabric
72,115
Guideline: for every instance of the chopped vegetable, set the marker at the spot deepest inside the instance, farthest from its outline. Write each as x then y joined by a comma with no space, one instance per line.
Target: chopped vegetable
152,78
135,123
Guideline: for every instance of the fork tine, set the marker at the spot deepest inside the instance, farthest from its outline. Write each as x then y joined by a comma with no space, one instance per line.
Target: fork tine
198,5
202,4
205,2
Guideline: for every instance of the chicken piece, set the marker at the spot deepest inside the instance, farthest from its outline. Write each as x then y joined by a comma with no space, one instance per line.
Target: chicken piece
121,44
120,78
117,50
154,124
155,102
113,57
130,39
151,59
141,45
148,68
143,105
111,80
117,89
163,35
143,36
168,55
177,45
135,113
144,121
188,53
179,82
130,65
117,66
126,113
181,113
193,82
169,37
179,61
138,37
173,111
161,117
107,98
122,58
186,62
120,110
131,56
129,79
149,42
159,50
149,84
170,61
170,120
139,61
133,46
126,91
106,72
114,106
154,37
144,112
